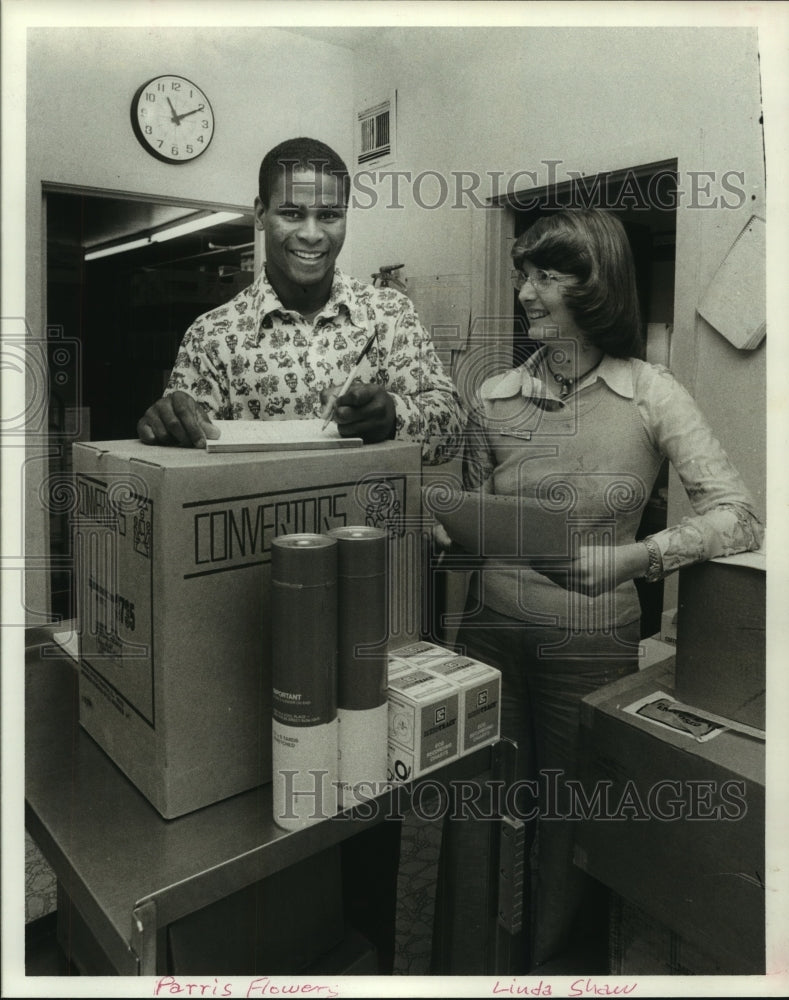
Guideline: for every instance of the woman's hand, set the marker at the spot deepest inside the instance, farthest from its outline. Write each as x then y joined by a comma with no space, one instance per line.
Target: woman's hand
441,540
596,569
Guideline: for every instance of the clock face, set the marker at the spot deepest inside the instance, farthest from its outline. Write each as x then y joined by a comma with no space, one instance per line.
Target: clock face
172,118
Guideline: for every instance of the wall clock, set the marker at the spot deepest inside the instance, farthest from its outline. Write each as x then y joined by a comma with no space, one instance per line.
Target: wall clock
172,118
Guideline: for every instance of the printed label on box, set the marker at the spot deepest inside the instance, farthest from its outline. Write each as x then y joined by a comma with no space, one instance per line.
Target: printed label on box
481,715
421,654
480,688
665,712
400,763
423,718
232,532
112,539
439,738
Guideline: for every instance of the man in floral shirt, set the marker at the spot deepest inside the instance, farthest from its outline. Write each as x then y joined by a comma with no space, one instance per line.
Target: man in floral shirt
276,350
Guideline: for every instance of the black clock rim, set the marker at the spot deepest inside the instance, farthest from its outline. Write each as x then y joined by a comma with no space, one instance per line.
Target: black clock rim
136,125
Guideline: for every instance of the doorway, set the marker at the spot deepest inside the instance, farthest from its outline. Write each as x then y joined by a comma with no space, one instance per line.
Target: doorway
124,315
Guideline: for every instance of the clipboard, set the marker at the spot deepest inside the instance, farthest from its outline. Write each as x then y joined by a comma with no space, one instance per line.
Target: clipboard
277,435
492,526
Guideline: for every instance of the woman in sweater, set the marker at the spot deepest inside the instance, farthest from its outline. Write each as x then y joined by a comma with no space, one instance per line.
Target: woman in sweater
573,441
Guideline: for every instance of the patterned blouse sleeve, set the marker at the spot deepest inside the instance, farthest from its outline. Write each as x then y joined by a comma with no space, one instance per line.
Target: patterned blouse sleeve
724,520
427,405
198,372
478,458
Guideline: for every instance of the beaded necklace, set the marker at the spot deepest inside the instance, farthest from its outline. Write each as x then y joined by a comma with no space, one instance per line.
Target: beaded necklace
566,384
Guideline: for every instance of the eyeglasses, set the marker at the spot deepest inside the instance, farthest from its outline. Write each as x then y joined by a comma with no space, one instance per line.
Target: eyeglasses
540,280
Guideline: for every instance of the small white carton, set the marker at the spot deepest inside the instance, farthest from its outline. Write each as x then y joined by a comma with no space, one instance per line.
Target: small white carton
423,723
668,627
479,685
420,654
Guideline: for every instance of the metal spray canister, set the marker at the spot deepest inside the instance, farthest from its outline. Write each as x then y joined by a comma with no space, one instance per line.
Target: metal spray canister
363,603
304,678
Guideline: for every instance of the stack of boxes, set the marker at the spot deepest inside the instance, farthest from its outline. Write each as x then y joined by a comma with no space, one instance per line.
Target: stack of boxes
681,838
441,706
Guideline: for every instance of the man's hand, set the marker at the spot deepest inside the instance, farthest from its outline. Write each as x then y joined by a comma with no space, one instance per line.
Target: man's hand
366,411
176,419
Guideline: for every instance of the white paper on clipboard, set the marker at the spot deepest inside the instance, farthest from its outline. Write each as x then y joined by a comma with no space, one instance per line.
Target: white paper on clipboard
277,435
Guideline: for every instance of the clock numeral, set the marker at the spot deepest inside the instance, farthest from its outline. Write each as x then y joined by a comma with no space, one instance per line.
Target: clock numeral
174,151
175,85
200,138
148,130
205,123
190,149
150,96
160,143
160,86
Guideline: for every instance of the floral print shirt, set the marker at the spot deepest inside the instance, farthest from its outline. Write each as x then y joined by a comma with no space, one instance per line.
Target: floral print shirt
253,359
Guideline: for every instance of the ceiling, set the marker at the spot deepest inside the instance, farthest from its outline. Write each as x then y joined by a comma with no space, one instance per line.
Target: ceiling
348,37
85,221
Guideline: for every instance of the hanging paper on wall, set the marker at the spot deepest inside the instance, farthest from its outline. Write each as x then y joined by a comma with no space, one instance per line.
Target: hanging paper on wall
734,301
443,303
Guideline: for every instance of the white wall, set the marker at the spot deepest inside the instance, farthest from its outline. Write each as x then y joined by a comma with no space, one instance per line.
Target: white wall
265,84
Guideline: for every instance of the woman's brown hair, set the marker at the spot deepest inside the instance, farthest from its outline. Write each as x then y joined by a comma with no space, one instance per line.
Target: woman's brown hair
591,245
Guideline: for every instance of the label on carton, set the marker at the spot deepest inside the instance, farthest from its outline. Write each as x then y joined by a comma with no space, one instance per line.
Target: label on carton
439,736
480,687
113,541
237,531
423,717
420,654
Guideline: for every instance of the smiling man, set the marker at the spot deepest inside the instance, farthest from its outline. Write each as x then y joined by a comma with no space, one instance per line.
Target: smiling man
277,349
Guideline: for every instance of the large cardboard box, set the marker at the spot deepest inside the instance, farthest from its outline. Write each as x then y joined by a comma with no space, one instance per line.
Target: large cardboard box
173,554
678,829
721,651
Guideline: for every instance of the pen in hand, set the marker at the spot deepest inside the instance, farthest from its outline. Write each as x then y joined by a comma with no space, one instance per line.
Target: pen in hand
351,376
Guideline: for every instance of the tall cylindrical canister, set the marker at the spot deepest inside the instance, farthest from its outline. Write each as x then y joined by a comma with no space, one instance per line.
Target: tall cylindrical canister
362,641
304,678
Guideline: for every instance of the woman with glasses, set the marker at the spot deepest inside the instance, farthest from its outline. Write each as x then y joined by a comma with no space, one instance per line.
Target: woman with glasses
577,434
